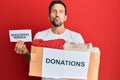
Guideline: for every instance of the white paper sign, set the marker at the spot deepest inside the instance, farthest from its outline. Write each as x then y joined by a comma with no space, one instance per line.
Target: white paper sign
65,64
24,35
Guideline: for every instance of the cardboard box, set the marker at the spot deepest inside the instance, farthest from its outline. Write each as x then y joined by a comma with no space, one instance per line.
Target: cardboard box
87,69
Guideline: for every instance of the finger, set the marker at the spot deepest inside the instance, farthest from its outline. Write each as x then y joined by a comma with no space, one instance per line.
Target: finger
21,44
18,46
24,49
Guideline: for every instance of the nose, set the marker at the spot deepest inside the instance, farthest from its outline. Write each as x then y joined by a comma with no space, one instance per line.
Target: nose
57,13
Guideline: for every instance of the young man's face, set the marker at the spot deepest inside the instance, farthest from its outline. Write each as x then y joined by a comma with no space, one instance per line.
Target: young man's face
57,15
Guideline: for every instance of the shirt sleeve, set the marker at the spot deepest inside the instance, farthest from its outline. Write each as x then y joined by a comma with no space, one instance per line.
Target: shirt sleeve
36,36
79,39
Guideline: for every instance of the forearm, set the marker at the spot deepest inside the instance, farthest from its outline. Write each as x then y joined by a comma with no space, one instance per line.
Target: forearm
27,57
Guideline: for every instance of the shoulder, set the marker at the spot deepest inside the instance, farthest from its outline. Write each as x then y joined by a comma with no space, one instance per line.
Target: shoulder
73,32
42,33
77,37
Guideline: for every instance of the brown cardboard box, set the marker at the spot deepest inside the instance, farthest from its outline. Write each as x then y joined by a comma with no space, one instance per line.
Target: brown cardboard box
36,66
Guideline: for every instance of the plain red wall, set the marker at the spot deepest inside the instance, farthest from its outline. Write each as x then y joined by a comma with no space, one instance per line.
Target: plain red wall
97,20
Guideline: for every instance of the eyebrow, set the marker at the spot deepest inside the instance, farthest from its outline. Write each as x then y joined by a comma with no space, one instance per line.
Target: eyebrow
60,9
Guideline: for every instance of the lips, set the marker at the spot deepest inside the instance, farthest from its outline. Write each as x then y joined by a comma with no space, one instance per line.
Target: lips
56,19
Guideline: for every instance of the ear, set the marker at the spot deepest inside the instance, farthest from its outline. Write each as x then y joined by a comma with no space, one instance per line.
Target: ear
49,17
65,17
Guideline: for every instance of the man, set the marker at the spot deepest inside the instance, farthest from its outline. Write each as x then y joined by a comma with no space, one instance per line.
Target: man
57,16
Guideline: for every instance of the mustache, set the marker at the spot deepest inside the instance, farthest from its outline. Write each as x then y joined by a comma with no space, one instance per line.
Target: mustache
57,17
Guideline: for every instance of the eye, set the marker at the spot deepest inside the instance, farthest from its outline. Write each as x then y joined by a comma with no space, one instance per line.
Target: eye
53,11
62,11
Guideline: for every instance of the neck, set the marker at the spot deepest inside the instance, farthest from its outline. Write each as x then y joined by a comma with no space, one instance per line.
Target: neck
58,30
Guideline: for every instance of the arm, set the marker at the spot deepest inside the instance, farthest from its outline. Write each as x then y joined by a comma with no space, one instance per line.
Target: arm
27,58
20,48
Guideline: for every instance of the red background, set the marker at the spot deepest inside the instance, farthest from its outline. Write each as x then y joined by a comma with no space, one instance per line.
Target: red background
96,20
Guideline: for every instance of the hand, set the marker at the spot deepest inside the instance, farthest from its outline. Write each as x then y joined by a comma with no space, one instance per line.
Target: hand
21,48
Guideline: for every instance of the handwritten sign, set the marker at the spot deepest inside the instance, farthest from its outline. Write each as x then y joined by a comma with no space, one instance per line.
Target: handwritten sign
24,35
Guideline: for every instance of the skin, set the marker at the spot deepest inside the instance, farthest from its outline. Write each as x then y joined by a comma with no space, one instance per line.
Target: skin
57,15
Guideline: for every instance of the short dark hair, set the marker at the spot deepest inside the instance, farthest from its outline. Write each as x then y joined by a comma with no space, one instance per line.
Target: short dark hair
57,2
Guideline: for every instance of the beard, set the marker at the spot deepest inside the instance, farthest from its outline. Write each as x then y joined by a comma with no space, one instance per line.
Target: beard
56,24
